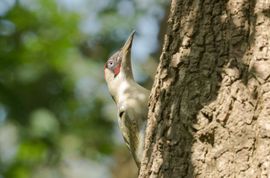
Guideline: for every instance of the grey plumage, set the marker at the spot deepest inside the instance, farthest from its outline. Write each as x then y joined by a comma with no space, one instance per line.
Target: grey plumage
131,99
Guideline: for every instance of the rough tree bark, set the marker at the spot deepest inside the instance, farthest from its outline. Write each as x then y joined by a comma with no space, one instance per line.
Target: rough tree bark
209,111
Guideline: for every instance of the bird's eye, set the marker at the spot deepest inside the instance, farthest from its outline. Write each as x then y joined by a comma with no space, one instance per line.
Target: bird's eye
110,63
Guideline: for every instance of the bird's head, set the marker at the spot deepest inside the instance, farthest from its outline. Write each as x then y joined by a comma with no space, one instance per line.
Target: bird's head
119,64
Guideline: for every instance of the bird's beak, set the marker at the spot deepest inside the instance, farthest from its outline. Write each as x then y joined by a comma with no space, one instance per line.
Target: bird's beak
126,57
127,46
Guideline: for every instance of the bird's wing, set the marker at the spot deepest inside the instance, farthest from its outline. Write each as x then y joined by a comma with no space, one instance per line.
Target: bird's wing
129,128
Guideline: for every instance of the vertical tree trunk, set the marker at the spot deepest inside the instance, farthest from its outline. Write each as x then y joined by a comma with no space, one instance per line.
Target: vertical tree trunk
209,113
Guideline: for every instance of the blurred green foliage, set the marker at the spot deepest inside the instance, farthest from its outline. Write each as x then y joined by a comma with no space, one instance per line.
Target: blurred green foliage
55,109
38,55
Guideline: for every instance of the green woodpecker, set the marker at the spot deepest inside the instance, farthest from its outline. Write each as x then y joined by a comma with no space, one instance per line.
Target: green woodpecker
130,98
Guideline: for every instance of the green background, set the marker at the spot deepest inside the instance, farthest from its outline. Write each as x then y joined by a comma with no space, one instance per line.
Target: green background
57,118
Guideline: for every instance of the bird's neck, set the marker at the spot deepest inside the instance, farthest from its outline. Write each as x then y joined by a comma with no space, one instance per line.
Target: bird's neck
126,67
126,71
120,85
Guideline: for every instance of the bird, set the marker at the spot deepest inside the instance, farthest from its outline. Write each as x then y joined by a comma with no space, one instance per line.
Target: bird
131,99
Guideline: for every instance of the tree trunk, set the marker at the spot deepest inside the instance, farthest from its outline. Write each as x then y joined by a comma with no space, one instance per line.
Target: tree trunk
209,111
